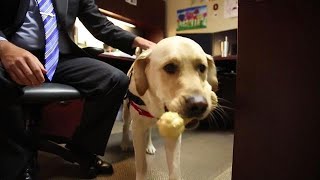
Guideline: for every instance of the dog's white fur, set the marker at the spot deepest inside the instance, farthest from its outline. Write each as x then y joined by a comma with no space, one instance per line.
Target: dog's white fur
194,75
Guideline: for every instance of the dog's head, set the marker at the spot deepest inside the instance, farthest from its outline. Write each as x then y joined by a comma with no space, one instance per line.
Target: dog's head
180,74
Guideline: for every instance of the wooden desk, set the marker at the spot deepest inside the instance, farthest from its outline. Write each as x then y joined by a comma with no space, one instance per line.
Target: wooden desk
122,58
121,62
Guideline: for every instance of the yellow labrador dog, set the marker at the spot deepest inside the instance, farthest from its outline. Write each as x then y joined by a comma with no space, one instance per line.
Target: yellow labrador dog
175,75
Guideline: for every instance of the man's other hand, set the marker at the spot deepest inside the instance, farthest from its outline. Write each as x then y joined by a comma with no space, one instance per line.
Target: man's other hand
22,66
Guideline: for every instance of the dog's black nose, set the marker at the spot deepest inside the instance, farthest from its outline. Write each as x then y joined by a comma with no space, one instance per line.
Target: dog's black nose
196,106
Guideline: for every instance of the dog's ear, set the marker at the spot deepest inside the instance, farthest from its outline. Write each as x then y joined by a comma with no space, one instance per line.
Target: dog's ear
212,73
139,73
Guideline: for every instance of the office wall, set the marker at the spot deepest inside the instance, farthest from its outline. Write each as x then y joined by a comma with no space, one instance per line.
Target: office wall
216,21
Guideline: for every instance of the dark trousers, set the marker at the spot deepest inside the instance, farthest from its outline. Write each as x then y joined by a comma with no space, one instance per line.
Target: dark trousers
17,148
103,88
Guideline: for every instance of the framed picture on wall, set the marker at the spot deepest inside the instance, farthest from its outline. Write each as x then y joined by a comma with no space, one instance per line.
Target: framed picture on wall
192,18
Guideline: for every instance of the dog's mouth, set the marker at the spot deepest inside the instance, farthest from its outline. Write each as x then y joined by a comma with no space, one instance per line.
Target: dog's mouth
165,108
191,124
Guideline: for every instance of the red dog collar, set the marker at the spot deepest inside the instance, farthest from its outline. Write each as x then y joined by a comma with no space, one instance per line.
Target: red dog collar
141,112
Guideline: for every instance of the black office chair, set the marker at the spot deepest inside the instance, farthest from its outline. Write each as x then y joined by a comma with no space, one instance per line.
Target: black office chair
33,101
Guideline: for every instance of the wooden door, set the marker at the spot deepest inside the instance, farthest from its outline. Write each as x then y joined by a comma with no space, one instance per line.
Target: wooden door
277,124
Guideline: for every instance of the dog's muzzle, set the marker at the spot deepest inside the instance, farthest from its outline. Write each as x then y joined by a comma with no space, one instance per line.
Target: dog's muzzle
195,106
194,110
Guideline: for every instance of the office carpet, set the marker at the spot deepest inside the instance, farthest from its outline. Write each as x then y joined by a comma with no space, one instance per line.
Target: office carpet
205,155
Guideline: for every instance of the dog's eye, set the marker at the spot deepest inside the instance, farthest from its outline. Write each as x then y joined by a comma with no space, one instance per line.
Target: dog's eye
202,68
170,68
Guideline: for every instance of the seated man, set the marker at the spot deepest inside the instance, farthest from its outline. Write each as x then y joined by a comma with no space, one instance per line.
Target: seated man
35,47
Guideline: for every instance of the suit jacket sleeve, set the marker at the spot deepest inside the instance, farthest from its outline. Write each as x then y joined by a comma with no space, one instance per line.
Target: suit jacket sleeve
103,29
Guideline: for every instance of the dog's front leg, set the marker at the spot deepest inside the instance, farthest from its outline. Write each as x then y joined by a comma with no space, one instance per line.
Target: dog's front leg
125,142
150,147
172,146
139,131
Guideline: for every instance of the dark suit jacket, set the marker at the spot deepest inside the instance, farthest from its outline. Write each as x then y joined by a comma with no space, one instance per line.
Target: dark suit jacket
12,14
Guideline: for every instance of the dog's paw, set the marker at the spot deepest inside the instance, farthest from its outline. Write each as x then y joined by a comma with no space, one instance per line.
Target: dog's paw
150,149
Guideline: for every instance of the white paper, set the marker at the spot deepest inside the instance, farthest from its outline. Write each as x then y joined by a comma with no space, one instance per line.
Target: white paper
230,8
132,2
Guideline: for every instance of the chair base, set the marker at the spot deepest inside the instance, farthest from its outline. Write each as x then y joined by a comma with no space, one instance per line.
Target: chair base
57,149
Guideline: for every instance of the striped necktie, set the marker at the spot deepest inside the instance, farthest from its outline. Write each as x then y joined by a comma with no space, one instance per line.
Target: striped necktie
51,55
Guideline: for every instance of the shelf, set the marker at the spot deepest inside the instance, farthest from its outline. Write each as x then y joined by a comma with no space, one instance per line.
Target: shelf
228,58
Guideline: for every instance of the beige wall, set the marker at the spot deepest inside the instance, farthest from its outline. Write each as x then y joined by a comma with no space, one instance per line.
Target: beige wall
216,21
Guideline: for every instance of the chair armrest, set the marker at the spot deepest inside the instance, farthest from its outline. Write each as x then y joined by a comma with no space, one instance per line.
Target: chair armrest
49,92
